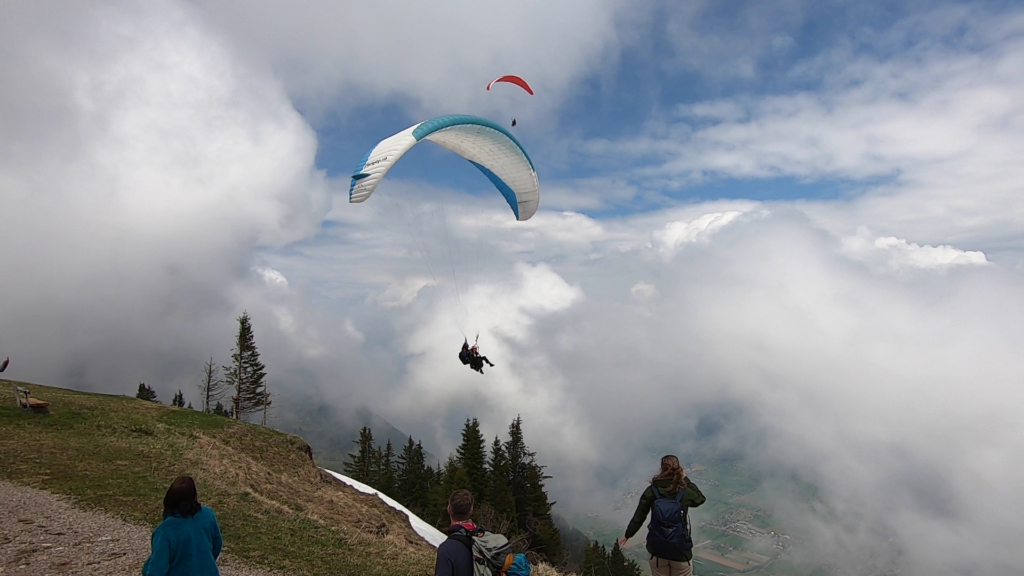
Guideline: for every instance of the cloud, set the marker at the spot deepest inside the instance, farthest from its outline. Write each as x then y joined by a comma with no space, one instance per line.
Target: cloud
354,332
143,166
928,256
676,234
507,314
589,194
897,254
271,277
850,381
432,59
401,294
157,181
643,292
729,43
811,363
927,135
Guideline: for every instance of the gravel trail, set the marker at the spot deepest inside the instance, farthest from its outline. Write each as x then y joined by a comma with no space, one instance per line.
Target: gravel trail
42,534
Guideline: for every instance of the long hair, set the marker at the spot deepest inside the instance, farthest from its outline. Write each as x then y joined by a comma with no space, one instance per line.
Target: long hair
670,469
182,498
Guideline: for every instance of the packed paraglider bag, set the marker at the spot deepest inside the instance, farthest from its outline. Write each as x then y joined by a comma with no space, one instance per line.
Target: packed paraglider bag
492,556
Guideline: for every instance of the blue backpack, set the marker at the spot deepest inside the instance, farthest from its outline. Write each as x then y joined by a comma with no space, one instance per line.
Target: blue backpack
668,534
520,566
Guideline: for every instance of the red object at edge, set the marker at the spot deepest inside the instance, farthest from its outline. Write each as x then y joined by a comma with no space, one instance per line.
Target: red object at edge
513,80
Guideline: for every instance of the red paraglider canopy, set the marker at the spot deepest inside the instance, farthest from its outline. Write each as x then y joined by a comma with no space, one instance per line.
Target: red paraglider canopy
513,80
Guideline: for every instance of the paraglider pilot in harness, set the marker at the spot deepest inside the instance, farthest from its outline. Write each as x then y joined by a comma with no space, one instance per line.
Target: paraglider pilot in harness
471,355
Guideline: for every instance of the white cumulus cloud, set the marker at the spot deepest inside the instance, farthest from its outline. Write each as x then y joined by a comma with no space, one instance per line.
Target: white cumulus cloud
401,294
676,234
905,253
896,254
271,277
643,292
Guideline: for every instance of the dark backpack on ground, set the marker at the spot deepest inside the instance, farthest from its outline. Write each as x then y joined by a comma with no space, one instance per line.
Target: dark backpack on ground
668,534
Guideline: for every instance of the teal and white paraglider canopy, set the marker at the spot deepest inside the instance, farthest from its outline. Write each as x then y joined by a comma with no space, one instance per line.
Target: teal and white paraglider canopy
488,146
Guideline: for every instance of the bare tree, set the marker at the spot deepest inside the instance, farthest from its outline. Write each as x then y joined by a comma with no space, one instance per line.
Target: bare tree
267,409
212,387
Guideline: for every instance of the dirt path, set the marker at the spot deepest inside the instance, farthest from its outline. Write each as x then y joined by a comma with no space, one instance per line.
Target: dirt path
43,534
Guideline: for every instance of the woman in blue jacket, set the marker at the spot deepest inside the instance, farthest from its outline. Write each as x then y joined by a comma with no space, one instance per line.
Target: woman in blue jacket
188,541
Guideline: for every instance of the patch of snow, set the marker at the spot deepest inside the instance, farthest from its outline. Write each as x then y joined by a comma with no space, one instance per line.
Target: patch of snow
428,532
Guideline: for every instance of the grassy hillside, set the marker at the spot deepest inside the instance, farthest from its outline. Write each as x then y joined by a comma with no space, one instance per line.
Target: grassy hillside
276,508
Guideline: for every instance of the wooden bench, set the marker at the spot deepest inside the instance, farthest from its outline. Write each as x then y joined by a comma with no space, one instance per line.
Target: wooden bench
26,401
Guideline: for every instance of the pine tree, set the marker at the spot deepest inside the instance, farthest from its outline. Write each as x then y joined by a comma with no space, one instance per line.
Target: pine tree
178,400
413,477
146,393
246,373
575,543
423,477
499,492
532,508
361,466
599,561
404,474
545,537
373,478
519,459
430,478
220,410
211,388
190,406
450,477
472,457
595,561
619,565
387,481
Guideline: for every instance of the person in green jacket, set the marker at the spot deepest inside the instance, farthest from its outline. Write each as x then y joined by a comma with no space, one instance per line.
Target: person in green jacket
188,541
667,483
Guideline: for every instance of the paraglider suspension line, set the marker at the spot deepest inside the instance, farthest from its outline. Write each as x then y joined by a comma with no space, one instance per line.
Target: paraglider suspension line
451,262
411,230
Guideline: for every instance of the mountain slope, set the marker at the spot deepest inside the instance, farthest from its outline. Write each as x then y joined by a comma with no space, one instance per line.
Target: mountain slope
276,508
333,431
